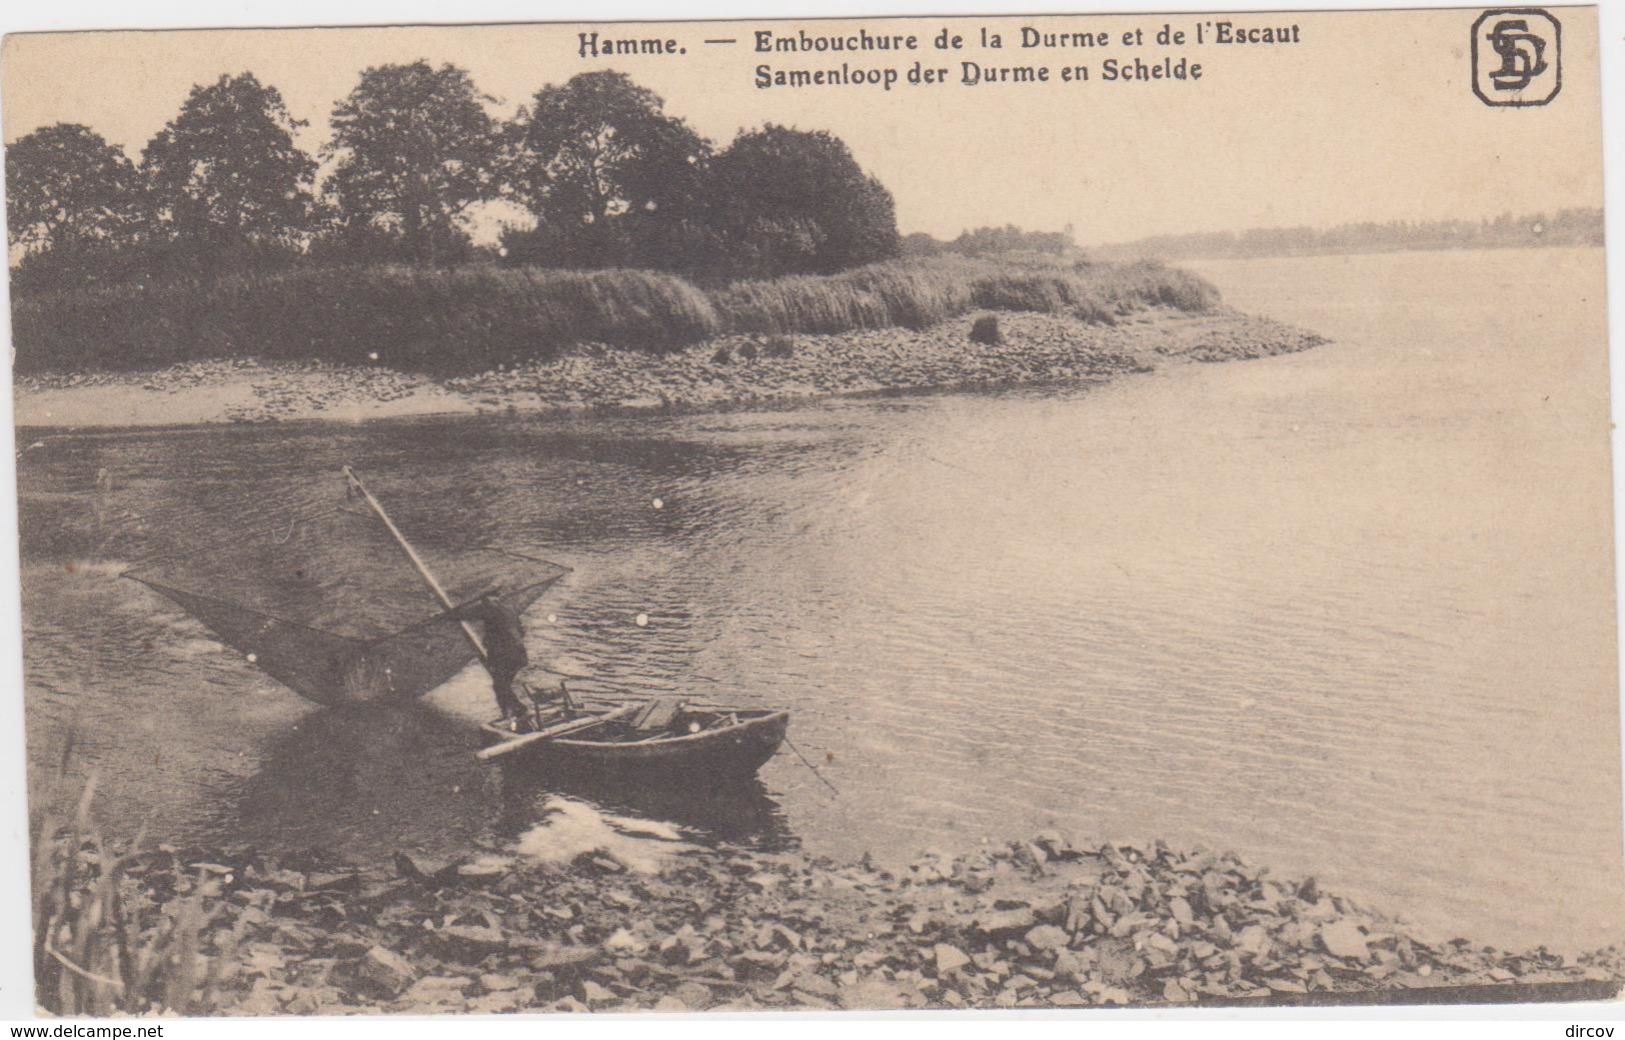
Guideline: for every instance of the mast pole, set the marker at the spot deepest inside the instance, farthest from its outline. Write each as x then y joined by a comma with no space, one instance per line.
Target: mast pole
417,562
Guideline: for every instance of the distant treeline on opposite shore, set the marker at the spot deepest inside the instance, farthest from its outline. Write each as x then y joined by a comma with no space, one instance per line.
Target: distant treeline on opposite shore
1566,227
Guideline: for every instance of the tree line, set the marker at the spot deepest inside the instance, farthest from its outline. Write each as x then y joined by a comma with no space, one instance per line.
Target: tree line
607,177
993,241
1566,227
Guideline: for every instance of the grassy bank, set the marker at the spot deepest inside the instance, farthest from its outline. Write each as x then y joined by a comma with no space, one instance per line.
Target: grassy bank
921,293
473,319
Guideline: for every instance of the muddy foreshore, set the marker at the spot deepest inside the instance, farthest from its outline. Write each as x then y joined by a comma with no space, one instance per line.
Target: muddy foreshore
730,372
1045,923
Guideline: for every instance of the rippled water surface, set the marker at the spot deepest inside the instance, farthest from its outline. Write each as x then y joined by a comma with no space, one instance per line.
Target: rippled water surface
1348,612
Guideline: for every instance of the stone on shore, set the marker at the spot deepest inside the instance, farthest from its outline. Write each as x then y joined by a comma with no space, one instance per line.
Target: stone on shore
563,958
1344,939
437,991
949,958
1047,937
694,996
387,970
471,942
493,983
1007,922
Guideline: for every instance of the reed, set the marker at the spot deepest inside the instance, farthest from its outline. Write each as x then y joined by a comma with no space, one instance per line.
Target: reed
916,294
463,319
104,942
478,317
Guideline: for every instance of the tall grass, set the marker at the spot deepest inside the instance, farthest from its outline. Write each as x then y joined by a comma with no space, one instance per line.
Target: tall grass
475,318
916,294
104,942
464,319
907,294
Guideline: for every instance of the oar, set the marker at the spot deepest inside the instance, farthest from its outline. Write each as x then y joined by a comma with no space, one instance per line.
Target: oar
496,750
417,561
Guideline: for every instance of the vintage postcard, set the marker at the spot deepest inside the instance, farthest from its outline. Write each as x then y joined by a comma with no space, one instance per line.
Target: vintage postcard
929,512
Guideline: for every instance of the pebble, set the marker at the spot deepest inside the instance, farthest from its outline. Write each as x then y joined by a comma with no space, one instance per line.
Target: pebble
592,993
491,983
387,970
1047,937
949,958
471,942
1344,939
437,989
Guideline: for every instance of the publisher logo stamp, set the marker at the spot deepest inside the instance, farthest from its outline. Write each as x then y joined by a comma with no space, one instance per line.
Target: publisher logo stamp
1517,57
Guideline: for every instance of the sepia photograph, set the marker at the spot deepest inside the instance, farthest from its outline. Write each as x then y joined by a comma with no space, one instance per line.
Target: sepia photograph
799,515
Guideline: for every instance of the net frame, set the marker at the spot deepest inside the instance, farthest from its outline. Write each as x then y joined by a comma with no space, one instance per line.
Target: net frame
369,663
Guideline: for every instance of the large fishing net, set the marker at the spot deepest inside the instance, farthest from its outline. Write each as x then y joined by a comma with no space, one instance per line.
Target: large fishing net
329,605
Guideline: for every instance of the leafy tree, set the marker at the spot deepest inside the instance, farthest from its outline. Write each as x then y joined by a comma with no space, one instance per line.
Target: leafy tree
415,149
983,241
610,177
919,243
796,201
225,173
67,188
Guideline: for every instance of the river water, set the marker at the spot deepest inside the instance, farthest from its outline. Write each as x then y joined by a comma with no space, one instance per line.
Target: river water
1348,612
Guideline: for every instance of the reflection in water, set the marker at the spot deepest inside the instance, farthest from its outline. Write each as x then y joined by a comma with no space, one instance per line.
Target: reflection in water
741,813
362,782
365,783
569,828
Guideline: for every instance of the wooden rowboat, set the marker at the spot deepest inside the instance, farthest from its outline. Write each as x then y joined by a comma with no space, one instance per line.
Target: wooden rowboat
644,739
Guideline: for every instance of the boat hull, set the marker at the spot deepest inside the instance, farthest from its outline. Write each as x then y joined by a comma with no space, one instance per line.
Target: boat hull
727,753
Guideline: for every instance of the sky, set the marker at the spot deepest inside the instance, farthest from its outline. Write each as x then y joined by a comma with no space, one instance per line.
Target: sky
1370,116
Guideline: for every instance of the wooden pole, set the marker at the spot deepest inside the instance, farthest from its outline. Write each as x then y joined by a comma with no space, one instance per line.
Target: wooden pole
417,561
562,729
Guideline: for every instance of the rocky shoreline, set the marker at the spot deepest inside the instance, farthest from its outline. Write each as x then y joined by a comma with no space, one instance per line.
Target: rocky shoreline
1046,923
729,372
